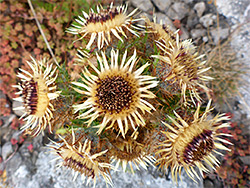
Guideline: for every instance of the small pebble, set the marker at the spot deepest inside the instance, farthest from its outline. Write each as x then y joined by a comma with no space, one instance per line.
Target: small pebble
162,5
207,20
7,150
200,8
144,5
219,34
178,11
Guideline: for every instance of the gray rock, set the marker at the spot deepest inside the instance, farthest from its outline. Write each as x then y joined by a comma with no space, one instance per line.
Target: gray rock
200,8
245,160
207,20
2,95
144,5
205,39
162,5
219,34
188,1
208,183
34,156
38,141
6,133
165,20
24,151
17,104
184,33
235,11
7,150
197,33
21,173
178,11
33,184
48,175
2,167
13,164
192,19
247,13
8,120
16,135
238,13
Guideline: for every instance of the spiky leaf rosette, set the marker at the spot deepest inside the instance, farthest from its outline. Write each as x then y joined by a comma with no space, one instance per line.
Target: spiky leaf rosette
117,93
136,150
189,144
181,68
37,90
99,28
80,154
63,113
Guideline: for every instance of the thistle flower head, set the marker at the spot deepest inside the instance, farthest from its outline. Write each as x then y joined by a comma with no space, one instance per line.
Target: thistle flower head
99,27
134,150
78,153
37,89
189,144
117,93
182,70
160,31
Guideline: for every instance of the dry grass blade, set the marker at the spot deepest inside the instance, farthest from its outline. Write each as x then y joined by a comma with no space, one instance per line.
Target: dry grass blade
42,33
227,72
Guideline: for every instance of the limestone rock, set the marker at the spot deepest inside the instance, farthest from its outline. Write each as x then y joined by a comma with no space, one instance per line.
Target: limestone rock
200,8
219,34
245,160
197,33
192,20
17,104
165,20
7,150
178,11
13,164
207,20
144,5
162,5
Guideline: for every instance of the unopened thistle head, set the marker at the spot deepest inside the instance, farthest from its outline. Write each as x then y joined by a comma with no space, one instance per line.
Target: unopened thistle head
99,27
78,153
181,68
161,31
116,93
37,89
135,150
189,144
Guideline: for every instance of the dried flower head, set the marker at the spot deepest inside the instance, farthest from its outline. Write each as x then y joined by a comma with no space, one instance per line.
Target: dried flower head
161,31
79,154
98,27
135,149
189,144
181,68
116,93
37,89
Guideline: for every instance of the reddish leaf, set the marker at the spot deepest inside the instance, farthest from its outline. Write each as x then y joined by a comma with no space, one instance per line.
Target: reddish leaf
177,24
30,147
230,115
37,51
241,152
238,131
13,141
235,181
18,27
21,139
